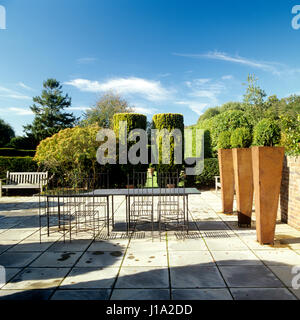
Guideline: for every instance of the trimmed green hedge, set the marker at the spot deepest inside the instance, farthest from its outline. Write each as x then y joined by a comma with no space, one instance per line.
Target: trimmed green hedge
11,152
169,121
134,121
16,164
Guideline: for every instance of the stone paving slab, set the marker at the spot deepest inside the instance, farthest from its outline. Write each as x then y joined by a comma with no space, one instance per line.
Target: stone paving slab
37,278
201,294
110,245
187,245
180,258
262,294
99,294
155,258
141,294
101,259
250,276
29,246
17,259
232,258
279,257
75,245
56,259
143,277
25,294
196,277
90,278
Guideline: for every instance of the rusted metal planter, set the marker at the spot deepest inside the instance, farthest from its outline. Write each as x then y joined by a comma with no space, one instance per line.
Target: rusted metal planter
267,163
243,179
227,179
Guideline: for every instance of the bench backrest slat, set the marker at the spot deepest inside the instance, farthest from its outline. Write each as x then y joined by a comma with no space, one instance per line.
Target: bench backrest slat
37,178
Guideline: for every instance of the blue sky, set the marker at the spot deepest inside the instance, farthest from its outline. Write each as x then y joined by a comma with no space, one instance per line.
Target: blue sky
161,55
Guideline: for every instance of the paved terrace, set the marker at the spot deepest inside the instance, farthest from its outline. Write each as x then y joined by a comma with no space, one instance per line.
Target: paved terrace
218,261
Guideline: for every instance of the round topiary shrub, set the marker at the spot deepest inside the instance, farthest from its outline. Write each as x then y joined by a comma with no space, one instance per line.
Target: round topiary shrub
266,133
224,140
241,138
169,121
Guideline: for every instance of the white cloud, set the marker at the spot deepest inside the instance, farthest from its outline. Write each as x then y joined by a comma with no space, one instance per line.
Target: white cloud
148,89
21,111
86,60
24,86
206,88
81,108
8,93
216,55
195,106
227,77
145,110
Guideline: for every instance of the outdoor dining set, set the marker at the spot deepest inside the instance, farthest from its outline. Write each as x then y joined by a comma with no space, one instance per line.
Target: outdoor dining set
153,202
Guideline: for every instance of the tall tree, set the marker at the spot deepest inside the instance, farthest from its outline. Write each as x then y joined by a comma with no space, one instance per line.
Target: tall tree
48,109
102,113
254,100
6,133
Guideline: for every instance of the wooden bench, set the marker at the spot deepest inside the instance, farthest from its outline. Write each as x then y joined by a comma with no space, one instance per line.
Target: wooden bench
217,183
24,180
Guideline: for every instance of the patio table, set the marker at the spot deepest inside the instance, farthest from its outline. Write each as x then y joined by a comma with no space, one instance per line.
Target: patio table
127,193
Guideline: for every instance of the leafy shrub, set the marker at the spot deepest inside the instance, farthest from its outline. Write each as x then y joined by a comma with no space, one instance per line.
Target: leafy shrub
207,177
70,152
290,134
224,140
168,121
17,164
225,121
11,152
241,138
266,133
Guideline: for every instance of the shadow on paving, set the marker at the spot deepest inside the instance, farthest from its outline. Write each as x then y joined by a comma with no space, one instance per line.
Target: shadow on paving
12,206
246,279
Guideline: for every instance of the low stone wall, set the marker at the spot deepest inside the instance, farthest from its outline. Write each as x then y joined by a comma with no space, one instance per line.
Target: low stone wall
289,203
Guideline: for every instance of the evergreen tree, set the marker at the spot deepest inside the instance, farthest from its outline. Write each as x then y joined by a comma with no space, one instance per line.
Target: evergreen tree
6,133
48,109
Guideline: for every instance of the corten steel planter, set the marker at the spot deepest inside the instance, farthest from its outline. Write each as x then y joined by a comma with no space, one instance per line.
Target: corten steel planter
243,179
267,163
227,179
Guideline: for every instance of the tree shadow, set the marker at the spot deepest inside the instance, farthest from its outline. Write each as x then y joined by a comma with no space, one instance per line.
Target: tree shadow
244,276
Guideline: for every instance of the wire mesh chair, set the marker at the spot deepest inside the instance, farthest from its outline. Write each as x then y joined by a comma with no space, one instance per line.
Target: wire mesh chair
171,203
140,191
91,214
75,206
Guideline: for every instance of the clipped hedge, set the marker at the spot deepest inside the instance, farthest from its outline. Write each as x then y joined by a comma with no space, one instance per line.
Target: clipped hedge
207,177
168,121
12,152
17,164
266,133
134,121
241,138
